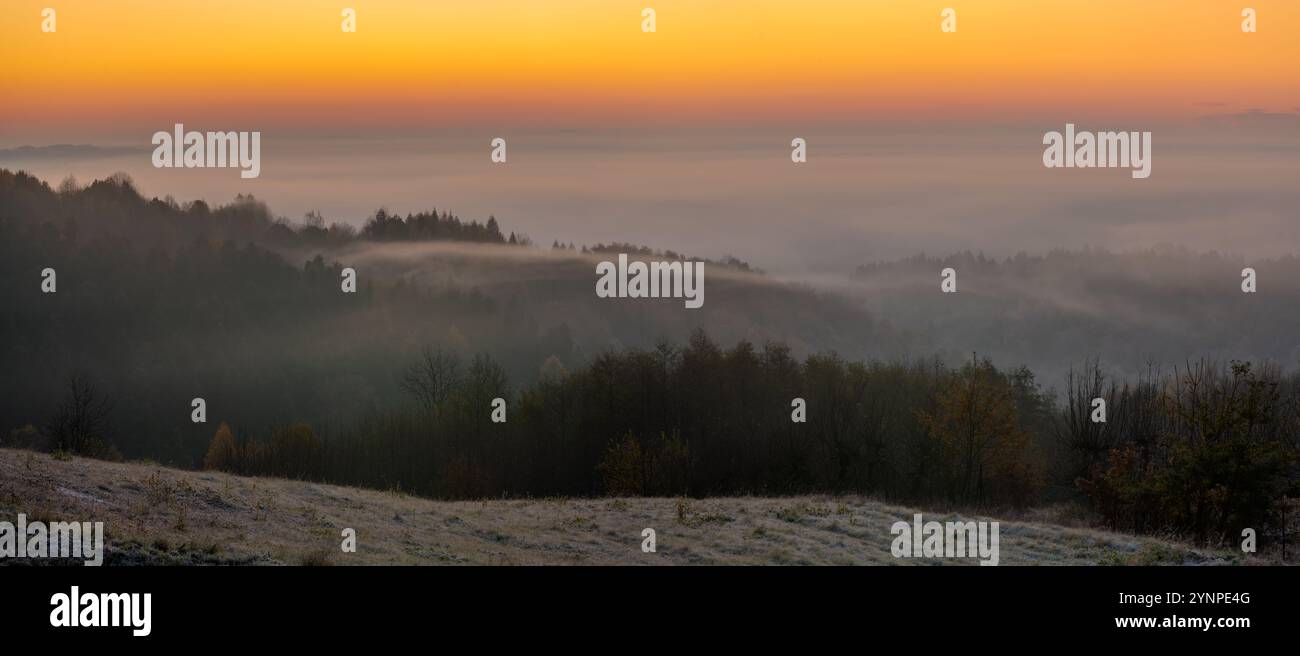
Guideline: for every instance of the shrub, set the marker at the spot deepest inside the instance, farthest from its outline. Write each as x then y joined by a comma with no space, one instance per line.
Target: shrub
630,469
623,469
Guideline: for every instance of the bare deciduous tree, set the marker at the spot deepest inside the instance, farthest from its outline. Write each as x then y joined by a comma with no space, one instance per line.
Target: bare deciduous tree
80,423
432,379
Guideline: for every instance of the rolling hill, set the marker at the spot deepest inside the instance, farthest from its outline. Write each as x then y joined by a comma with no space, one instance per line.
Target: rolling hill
160,516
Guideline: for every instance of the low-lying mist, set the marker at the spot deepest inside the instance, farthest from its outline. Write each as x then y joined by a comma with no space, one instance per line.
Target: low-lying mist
161,304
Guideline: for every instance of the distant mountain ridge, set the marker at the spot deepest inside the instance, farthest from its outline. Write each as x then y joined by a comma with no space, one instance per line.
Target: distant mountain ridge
65,150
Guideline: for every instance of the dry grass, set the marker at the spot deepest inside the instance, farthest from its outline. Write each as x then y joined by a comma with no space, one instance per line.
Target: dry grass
155,515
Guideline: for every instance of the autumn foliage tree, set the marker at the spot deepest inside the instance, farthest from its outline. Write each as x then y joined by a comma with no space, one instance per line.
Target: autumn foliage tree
223,454
985,451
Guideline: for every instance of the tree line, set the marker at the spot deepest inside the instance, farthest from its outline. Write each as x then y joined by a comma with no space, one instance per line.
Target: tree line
1203,451
113,206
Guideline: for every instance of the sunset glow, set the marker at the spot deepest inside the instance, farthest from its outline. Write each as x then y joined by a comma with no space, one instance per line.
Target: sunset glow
117,65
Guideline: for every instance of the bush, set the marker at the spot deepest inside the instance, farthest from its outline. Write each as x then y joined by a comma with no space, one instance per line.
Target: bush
629,469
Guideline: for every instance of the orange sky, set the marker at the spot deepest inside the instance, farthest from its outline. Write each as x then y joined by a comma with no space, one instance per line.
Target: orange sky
435,63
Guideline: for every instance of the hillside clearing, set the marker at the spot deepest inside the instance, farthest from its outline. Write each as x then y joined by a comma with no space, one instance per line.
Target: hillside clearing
155,515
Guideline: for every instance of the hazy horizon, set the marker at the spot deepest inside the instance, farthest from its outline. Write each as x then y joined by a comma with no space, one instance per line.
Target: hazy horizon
863,195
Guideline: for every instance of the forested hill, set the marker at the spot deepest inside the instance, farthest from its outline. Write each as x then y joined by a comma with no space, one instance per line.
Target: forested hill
114,208
163,304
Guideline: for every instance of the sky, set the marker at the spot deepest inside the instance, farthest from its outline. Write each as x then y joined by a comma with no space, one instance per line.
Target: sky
919,140
429,65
